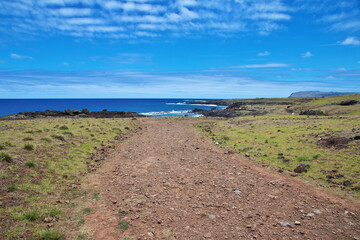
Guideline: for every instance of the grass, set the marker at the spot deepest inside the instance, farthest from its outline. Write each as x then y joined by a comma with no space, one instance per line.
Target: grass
51,235
29,147
36,179
124,225
5,157
31,215
87,210
28,139
11,188
30,164
284,140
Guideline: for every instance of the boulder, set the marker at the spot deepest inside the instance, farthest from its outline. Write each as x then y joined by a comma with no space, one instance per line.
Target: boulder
75,112
69,112
85,111
302,167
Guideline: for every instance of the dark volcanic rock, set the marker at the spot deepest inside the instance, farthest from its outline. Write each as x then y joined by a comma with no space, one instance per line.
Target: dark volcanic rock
348,102
312,112
85,111
69,112
302,167
75,112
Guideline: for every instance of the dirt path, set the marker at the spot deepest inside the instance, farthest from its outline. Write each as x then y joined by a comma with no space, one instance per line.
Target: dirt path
173,184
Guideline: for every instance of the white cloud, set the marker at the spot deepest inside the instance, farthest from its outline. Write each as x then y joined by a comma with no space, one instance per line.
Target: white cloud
307,54
95,18
350,41
17,56
265,65
263,54
66,64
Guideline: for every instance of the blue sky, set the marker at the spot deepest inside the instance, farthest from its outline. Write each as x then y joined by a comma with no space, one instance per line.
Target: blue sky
177,48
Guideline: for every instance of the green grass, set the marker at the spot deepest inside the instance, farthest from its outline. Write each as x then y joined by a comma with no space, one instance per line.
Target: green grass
51,235
11,188
28,139
29,147
87,210
297,138
124,225
5,157
31,215
37,179
30,164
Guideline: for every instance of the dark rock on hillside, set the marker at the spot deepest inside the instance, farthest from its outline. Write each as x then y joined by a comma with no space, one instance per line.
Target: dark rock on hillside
318,94
302,167
312,112
348,102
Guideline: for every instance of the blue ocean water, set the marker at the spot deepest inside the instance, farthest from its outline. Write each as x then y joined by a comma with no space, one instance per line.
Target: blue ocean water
148,107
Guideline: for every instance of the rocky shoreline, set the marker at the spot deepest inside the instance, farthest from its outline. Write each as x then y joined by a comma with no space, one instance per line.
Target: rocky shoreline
85,113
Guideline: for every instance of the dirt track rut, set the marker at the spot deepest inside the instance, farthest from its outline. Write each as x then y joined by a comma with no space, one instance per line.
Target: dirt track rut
173,184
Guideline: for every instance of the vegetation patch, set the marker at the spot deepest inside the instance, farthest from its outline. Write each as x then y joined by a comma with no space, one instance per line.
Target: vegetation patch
47,172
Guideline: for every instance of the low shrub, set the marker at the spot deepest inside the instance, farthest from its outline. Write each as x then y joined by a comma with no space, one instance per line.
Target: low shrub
29,147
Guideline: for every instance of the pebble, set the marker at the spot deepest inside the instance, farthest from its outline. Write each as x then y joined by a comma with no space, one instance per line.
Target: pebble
237,191
297,223
317,211
284,224
310,215
212,216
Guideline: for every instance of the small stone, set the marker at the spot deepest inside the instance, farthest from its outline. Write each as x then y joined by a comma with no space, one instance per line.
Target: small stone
50,225
317,211
237,191
208,235
297,223
64,127
212,216
114,201
310,215
150,234
247,154
216,143
48,219
284,224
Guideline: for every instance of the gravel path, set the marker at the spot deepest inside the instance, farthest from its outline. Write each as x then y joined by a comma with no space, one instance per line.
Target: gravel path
171,183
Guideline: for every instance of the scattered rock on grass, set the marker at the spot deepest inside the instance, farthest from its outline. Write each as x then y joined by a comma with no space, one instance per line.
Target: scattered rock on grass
302,167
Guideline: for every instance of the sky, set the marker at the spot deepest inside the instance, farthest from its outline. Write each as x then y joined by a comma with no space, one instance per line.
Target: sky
177,48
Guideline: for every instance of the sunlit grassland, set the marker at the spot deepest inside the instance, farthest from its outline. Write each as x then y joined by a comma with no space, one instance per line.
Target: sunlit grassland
41,161
285,141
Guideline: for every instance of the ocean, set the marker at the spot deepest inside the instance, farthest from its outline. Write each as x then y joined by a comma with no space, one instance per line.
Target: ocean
148,107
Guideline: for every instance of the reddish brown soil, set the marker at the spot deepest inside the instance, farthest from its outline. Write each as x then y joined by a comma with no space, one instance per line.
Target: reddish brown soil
174,184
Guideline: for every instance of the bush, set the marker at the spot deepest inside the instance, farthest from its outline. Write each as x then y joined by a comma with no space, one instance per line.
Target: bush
5,157
68,133
29,147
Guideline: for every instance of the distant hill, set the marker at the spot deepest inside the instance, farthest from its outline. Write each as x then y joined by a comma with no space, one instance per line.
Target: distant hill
318,94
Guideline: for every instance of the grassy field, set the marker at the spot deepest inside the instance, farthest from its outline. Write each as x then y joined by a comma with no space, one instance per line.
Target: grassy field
282,141
41,164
